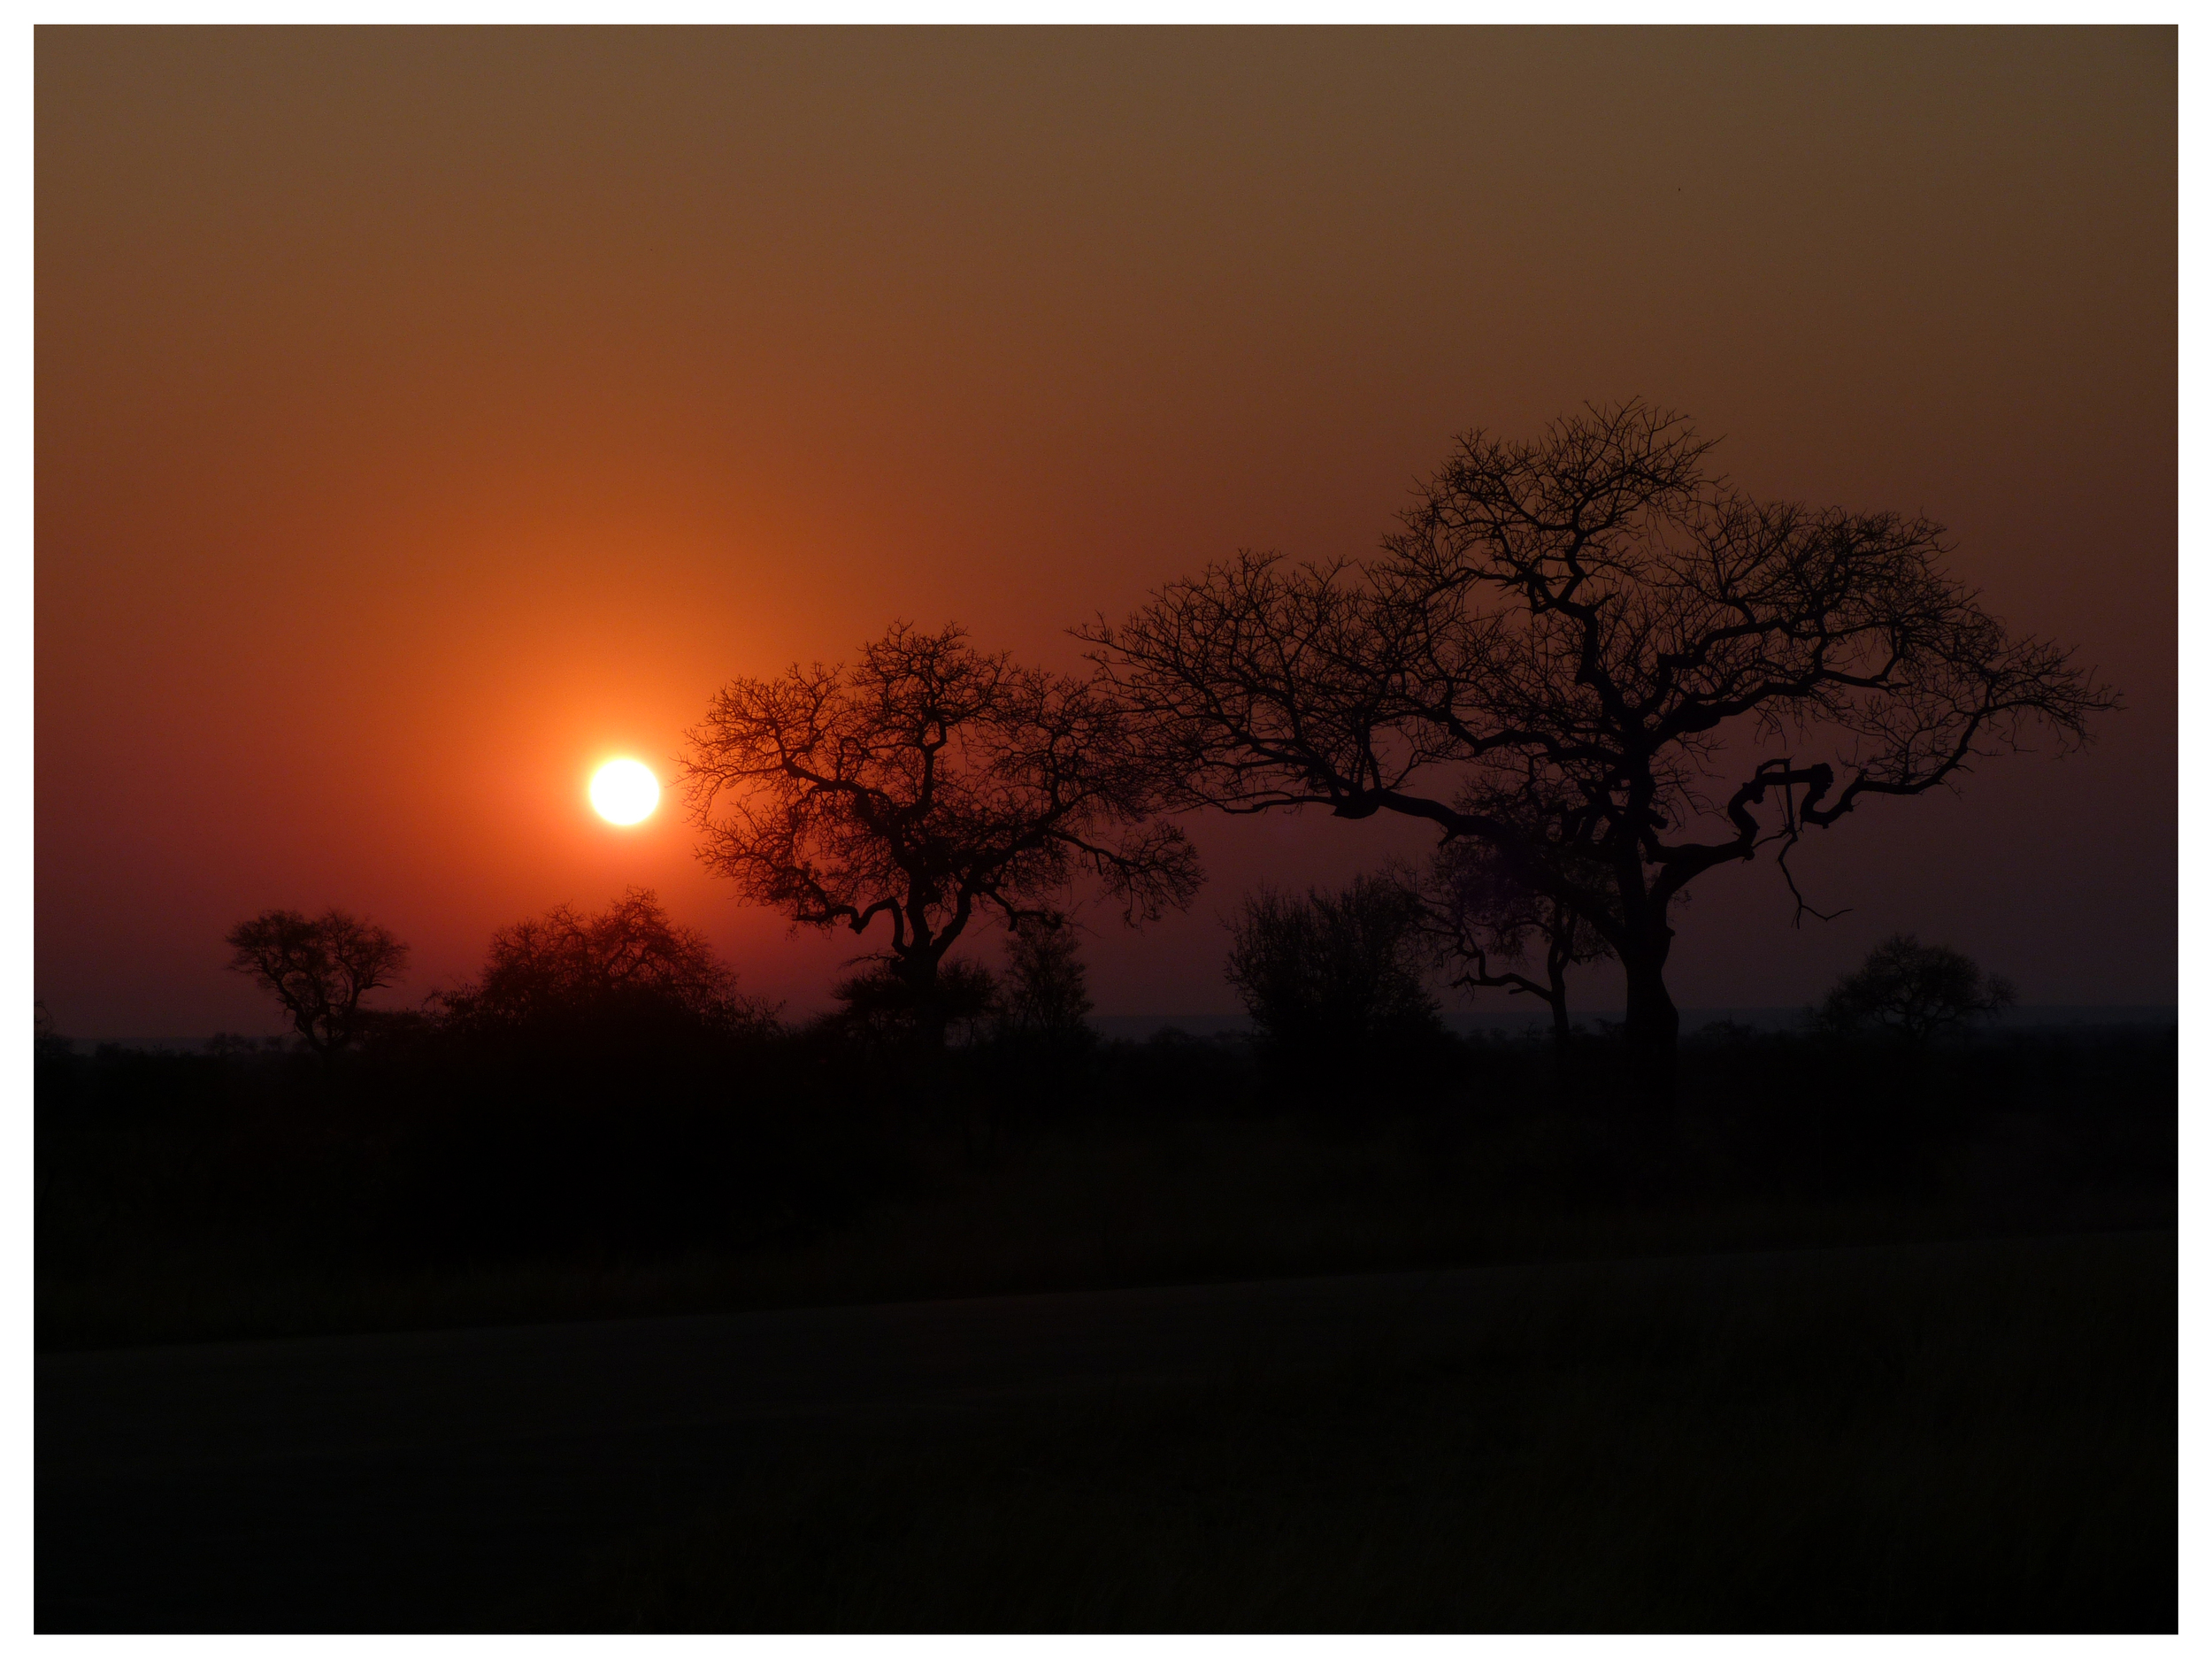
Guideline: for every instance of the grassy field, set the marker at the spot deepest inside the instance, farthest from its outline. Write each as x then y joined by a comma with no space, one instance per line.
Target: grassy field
1960,1436
240,1210
1857,1443
1853,1433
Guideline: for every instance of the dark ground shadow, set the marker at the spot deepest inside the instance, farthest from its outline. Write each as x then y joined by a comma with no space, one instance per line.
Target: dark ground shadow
1954,1436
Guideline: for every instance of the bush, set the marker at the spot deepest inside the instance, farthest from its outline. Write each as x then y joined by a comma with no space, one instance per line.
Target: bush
882,1003
1046,997
1911,992
1334,980
627,970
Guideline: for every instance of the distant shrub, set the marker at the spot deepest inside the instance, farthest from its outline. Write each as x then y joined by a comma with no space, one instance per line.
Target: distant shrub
1334,980
627,966
1912,992
233,1045
1046,995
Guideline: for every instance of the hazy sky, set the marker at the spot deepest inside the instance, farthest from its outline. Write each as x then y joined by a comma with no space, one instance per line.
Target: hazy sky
424,416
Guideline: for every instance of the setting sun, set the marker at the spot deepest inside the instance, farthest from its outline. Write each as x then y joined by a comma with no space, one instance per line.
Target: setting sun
625,792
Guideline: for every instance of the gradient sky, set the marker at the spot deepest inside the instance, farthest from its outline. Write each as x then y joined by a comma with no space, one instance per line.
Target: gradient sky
424,416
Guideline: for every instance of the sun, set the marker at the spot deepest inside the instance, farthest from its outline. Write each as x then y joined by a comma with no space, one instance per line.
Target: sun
625,792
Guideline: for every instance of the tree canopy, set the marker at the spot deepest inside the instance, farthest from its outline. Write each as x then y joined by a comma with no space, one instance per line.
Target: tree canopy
627,963
318,968
1333,980
1589,649
1913,991
926,784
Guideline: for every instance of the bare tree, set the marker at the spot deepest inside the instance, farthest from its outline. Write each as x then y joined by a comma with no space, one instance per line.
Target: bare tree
1691,673
318,968
926,784
1332,980
47,1041
1047,994
630,961
1487,917
1913,992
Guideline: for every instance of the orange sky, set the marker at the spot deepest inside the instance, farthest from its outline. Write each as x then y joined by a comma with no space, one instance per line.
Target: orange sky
424,416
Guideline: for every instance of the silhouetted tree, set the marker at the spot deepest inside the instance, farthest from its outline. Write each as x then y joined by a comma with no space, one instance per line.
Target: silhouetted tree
1912,991
1692,674
1332,980
1046,994
47,1041
629,963
925,783
318,968
1486,916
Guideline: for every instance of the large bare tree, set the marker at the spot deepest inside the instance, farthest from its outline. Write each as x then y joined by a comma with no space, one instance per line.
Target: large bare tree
926,784
1682,674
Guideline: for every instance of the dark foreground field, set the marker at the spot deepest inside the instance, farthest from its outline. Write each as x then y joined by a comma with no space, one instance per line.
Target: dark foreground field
772,1338
1955,1436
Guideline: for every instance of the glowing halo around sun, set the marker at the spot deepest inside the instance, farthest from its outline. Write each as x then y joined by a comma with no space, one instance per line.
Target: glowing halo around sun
625,792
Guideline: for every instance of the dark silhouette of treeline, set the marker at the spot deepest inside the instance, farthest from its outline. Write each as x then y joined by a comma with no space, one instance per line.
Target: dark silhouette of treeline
601,1100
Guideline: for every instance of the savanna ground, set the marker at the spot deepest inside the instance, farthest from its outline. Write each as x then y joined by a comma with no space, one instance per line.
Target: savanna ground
1989,1445
1952,1404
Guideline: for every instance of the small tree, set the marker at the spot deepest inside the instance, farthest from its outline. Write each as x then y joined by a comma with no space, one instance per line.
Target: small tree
1332,979
1485,916
924,785
1047,994
1913,992
629,965
47,1041
318,968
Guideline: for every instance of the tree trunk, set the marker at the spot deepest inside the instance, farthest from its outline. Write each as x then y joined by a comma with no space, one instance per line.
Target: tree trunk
1652,1025
1556,964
